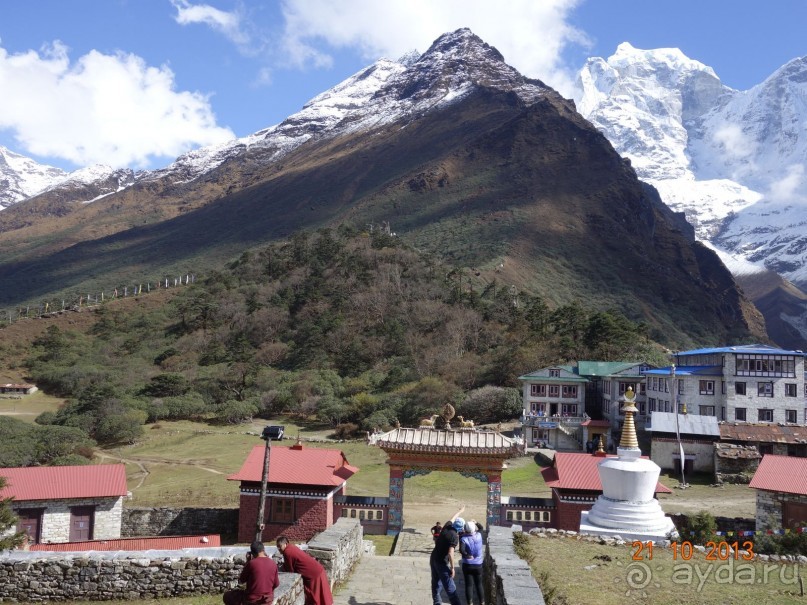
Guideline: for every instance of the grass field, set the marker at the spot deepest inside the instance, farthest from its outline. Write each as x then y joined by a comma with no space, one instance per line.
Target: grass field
28,407
570,570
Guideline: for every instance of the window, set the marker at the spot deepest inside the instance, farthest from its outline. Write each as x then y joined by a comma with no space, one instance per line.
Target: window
765,415
570,391
791,416
706,410
642,408
723,387
606,406
651,404
641,386
739,414
766,365
554,373
680,387
723,412
707,387
765,389
791,390
568,409
283,510
538,390
538,408
554,390
537,516
739,388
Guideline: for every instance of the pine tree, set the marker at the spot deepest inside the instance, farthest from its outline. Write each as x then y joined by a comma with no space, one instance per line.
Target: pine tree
8,519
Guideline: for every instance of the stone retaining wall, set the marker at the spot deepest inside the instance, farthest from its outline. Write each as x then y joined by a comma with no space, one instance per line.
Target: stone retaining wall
43,577
99,576
338,548
507,577
140,522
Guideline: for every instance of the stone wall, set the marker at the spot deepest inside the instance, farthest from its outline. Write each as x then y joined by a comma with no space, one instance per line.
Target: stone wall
140,522
39,576
735,463
338,548
769,508
508,579
58,577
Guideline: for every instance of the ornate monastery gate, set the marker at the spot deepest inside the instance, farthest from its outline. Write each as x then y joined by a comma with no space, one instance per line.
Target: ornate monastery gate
472,453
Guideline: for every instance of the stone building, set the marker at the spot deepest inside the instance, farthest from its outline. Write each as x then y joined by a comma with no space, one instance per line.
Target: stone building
781,484
767,438
748,383
554,403
301,487
67,503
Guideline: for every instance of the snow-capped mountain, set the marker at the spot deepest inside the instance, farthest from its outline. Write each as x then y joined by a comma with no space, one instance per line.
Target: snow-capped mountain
380,94
22,177
733,161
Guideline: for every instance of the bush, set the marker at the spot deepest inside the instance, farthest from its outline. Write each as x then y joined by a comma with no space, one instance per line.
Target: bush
346,430
491,404
236,412
700,528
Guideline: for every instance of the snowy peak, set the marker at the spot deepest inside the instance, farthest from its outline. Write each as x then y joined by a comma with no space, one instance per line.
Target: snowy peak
382,93
734,161
22,177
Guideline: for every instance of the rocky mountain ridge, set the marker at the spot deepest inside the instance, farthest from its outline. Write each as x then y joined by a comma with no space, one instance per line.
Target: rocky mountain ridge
466,158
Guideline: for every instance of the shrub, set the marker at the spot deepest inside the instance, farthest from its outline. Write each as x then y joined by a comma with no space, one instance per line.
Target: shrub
346,430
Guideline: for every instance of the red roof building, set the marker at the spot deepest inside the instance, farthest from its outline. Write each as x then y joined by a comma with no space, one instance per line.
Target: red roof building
575,483
301,486
67,503
781,484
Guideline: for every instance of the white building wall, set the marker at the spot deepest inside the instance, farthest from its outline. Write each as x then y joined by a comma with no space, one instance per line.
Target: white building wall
56,517
665,452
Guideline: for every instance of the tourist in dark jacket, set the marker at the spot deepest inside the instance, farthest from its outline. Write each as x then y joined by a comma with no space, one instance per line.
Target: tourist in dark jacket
473,554
442,560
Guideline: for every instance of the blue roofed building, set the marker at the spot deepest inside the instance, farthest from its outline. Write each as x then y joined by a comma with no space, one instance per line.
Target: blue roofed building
744,383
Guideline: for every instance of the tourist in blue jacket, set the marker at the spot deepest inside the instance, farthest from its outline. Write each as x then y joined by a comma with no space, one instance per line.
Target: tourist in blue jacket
473,554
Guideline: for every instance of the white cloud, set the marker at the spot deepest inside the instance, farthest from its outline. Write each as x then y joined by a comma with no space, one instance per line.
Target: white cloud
734,142
111,109
530,34
226,23
788,187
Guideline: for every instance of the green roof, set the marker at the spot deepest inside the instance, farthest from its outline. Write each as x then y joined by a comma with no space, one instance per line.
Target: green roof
603,368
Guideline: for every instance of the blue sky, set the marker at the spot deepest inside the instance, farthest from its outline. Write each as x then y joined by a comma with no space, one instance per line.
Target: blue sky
137,82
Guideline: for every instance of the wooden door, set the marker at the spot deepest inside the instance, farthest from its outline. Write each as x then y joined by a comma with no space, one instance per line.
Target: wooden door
81,522
30,521
794,514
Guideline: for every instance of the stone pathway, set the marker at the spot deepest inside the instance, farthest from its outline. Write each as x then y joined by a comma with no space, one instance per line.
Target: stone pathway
403,579
392,581
414,542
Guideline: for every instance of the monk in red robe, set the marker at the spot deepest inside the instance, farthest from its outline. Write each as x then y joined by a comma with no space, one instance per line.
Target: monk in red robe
315,581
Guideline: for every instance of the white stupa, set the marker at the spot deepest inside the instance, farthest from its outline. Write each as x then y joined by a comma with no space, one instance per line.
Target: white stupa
627,506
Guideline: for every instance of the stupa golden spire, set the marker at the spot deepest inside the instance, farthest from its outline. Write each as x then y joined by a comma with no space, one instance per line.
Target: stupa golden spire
628,439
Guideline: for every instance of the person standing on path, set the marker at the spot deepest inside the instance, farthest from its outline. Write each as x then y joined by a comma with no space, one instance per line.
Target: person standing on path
316,586
473,555
260,577
442,559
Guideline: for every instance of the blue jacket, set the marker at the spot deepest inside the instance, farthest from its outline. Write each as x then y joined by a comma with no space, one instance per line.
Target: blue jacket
471,549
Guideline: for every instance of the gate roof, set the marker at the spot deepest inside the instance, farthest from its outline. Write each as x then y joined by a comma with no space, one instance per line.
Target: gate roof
428,440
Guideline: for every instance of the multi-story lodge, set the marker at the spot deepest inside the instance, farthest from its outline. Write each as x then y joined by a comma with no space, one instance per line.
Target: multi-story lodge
748,383
554,403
